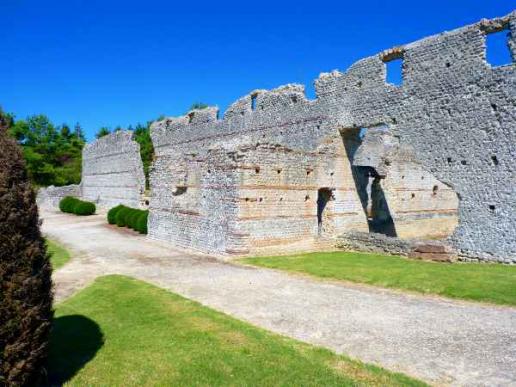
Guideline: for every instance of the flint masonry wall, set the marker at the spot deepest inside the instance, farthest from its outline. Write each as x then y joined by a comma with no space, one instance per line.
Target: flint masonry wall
112,171
216,186
459,115
49,197
250,181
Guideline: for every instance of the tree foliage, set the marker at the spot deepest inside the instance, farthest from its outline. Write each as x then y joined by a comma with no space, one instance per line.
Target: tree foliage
25,270
142,136
198,106
102,132
52,154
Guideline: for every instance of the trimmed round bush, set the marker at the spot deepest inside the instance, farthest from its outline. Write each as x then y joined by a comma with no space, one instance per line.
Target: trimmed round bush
73,205
84,208
142,222
132,218
111,215
121,216
67,204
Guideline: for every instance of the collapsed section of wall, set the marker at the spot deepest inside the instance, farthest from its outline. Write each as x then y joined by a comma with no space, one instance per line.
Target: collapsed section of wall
49,197
402,198
112,171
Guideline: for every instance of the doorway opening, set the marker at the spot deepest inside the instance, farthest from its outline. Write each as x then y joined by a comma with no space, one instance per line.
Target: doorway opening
324,195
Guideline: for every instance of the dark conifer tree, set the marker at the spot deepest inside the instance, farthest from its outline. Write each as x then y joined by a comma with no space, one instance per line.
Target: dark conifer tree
25,272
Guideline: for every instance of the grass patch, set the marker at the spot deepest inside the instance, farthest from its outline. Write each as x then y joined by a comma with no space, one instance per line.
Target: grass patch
120,331
493,283
58,254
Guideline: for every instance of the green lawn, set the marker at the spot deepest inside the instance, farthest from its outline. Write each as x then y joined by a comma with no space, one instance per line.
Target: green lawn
58,254
493,283
123,332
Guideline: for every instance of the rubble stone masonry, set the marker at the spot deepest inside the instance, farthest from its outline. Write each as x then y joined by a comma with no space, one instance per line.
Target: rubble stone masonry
432,157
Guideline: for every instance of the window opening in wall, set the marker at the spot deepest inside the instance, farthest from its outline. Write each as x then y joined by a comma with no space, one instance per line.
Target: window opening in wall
253,102
394,71
495,160
497,48
434,190
492,207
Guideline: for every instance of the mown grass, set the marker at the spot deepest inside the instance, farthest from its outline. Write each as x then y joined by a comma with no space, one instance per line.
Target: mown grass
494,283
58,254
120,331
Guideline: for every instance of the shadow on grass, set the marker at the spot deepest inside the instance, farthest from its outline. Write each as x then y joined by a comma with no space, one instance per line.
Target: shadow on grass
74,341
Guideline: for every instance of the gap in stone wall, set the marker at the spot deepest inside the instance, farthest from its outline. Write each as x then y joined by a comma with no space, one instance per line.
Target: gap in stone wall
498,52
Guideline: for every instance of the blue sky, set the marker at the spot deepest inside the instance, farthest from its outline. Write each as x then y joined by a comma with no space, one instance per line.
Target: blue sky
109,63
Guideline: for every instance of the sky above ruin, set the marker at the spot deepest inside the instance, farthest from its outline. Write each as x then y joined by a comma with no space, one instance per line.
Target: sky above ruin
110,63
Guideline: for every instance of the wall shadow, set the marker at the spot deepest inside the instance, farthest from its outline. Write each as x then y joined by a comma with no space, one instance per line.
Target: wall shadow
372,197
74,341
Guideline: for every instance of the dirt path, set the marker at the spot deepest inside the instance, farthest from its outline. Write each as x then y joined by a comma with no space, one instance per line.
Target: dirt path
440,341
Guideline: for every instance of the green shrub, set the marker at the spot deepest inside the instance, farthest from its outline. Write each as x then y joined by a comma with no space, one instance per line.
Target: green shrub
132,218
121,215
84,208
73,205
128,215
67,204
142,222
111,215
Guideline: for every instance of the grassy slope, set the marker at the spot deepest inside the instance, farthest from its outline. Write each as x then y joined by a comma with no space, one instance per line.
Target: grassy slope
481,282
59,255
121,331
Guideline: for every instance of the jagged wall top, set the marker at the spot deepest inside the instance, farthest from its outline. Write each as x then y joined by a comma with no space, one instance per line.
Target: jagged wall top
258,107
271,105
120,141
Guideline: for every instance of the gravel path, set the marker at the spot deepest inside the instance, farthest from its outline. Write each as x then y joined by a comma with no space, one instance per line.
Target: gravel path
441,341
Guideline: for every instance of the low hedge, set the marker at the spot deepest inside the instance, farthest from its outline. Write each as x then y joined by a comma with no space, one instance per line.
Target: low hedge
142,222
72,205
133,218
111,215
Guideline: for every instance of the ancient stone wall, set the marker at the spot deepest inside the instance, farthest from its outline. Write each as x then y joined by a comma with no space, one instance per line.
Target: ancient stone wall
112,171
279,170
49,197
458,114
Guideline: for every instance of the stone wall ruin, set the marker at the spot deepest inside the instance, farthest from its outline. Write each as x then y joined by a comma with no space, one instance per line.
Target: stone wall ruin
277,173
112,171
432,158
